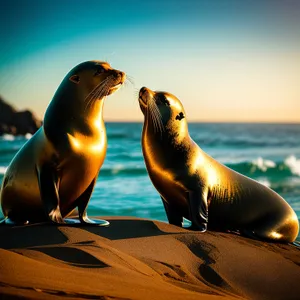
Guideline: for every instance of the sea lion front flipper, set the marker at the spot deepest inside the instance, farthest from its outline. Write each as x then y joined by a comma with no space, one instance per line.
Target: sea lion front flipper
82,203
198,210
10,222
174,216
48,183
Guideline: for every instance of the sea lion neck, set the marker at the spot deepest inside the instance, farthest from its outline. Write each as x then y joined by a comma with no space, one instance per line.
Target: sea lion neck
175,130
167,138
80,117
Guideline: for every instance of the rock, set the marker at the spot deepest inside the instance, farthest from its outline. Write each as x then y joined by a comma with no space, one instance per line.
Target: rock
17,122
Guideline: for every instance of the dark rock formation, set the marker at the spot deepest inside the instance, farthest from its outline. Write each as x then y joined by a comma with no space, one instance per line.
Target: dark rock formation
17,122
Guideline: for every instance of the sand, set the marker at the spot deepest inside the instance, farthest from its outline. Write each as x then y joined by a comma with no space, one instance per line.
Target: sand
142,259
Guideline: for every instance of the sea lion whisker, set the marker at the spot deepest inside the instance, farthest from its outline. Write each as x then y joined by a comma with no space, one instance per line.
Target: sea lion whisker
107,86
94,93
91,100
130,79
154,118
151,114
99,87
128,82
157,115
100,91
103,93
98,95
160,126
91,94
103,89
156,128
136,93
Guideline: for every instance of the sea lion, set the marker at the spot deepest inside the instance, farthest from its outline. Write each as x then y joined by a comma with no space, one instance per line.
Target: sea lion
195,186
56,170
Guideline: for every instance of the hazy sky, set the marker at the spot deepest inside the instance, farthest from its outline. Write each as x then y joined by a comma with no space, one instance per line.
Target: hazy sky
225,60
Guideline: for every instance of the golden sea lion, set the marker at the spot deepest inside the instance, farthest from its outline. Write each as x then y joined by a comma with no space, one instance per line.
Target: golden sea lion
56,170
195,186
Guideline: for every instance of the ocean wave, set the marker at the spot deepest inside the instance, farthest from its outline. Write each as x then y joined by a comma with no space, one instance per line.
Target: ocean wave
11,150
133,156
7,137
264,167
265,182
263,164
294,164
258,168
28,136
119,135
2,169
244,142
122,170
10,137
123,136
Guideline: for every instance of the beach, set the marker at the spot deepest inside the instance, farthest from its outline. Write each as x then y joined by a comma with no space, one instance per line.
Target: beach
142,259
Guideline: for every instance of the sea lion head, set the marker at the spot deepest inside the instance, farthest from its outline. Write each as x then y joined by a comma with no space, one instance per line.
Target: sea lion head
163,111
78,99
95,78
88,82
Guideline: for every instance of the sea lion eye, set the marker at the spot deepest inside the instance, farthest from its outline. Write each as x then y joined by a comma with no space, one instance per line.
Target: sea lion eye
165,101
180,116
99,71
75,79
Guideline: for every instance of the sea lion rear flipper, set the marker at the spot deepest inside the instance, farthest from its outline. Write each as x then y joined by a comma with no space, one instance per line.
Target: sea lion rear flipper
48,183
174,216
198,210
82,203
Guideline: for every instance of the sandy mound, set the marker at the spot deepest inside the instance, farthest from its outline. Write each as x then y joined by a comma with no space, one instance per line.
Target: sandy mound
142,259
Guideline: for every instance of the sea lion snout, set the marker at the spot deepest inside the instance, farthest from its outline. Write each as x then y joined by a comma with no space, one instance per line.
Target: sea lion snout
145,94
119,78
143,90
120,75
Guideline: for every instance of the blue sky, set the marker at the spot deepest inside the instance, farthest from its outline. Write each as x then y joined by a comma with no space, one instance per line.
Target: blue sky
226,60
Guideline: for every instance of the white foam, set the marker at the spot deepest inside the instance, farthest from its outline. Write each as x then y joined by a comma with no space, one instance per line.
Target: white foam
28,135
2,169
117,168
8,137
293,163
265,182
263,164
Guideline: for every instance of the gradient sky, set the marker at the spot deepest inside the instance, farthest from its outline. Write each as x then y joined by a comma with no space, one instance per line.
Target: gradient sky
225,60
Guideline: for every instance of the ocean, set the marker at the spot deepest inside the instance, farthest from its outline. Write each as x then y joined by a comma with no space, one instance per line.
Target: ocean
268,153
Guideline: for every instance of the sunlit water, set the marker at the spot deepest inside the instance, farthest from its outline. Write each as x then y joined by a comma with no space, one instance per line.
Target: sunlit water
268,153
